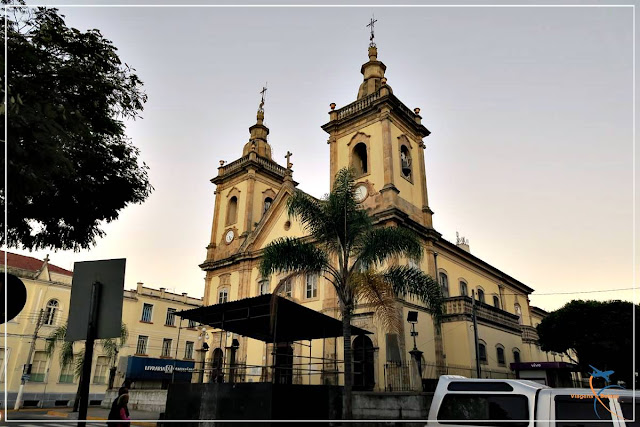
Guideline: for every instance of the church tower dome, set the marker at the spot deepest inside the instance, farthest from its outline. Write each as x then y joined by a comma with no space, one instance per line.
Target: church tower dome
373,72
258,140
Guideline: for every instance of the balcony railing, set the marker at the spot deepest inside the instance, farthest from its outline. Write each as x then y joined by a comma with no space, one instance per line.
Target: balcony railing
529,334
244,160
358,105
237,164
463,306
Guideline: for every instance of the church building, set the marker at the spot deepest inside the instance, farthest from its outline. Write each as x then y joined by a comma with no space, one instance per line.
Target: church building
383,141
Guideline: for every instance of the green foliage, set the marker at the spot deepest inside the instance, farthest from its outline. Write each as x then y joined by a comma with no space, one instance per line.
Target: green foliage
600,333
353,256
340,229
109,346
70,165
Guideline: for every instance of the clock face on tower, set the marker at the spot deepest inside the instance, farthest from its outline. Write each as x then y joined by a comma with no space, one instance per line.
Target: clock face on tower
361,193
229,236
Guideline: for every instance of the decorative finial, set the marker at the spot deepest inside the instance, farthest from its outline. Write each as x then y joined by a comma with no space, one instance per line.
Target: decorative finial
263,91
288,157
222,162
371,24
416,110
332,106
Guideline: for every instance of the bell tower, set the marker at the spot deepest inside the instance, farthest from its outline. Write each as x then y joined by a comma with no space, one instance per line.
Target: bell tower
382,141
245,189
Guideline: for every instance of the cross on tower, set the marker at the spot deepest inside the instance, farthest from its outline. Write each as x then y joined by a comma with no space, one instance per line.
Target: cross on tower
288,157
262,92
371,24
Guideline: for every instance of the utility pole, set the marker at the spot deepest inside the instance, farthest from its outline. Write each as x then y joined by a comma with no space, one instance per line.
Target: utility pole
88,353
475,331
26,371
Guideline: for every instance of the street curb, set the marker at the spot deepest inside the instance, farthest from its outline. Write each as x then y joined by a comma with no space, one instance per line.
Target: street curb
66,415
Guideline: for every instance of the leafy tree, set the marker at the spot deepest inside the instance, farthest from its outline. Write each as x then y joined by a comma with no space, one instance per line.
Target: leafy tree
356,258
110,348
600,334
70,165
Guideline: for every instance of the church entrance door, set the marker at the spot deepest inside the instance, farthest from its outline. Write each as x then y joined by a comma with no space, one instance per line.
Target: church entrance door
363,378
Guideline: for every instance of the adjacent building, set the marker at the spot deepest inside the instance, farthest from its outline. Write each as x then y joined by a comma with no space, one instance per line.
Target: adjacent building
154,334
383,141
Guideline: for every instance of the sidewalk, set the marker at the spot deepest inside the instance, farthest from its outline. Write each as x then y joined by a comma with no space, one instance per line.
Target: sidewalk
97,413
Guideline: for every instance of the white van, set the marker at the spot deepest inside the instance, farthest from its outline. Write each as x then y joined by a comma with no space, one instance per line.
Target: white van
520,403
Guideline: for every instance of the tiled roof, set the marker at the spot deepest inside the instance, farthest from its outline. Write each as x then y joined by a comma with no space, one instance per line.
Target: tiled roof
30,263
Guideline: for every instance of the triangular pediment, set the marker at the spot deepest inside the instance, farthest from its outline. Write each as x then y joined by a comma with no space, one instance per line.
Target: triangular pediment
274,224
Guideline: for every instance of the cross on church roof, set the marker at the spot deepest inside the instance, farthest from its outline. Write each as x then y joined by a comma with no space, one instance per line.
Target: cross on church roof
371,24
263,91
288,157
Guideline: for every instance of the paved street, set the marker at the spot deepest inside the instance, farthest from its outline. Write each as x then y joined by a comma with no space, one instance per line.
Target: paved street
41,418
65,418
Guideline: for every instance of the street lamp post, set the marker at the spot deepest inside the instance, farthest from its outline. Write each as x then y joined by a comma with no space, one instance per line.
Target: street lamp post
412,317
203,337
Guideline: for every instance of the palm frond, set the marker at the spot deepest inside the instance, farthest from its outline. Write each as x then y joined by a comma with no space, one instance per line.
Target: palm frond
54,338
79,363
66,354
413,282
310,212
109,347
381,244
371,288
288,254
124,335
346,216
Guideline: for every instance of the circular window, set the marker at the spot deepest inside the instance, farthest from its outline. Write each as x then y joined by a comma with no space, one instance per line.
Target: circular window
287,225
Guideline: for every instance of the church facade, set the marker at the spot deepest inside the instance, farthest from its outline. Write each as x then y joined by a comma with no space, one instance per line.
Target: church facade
383,141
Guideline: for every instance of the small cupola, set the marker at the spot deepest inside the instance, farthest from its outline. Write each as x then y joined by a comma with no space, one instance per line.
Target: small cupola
373,71
259,132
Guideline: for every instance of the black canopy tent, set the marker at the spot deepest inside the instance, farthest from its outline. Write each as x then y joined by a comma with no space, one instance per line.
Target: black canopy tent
269,318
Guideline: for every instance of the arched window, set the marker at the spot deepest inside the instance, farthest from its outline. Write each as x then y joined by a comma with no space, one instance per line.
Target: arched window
359,161
518,311
480,295
444,284
267,204
516,355
50,312
223,295
463,289
263,286
500,355
405,161
496,301
232,210
482,352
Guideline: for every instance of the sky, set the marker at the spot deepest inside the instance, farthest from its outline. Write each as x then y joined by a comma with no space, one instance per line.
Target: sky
530,109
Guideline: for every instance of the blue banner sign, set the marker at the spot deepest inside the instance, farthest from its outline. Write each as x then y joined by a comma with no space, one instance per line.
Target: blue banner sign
146,368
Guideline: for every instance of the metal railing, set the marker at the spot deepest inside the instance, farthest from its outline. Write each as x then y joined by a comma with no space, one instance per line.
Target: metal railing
397,375
462,305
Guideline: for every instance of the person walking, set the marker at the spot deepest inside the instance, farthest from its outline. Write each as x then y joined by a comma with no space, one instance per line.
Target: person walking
123,413
120,411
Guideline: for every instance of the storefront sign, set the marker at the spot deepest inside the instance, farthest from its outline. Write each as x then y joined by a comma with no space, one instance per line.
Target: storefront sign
150,369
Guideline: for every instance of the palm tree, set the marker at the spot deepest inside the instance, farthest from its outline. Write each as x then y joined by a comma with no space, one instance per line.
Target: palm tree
110,347
360,261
